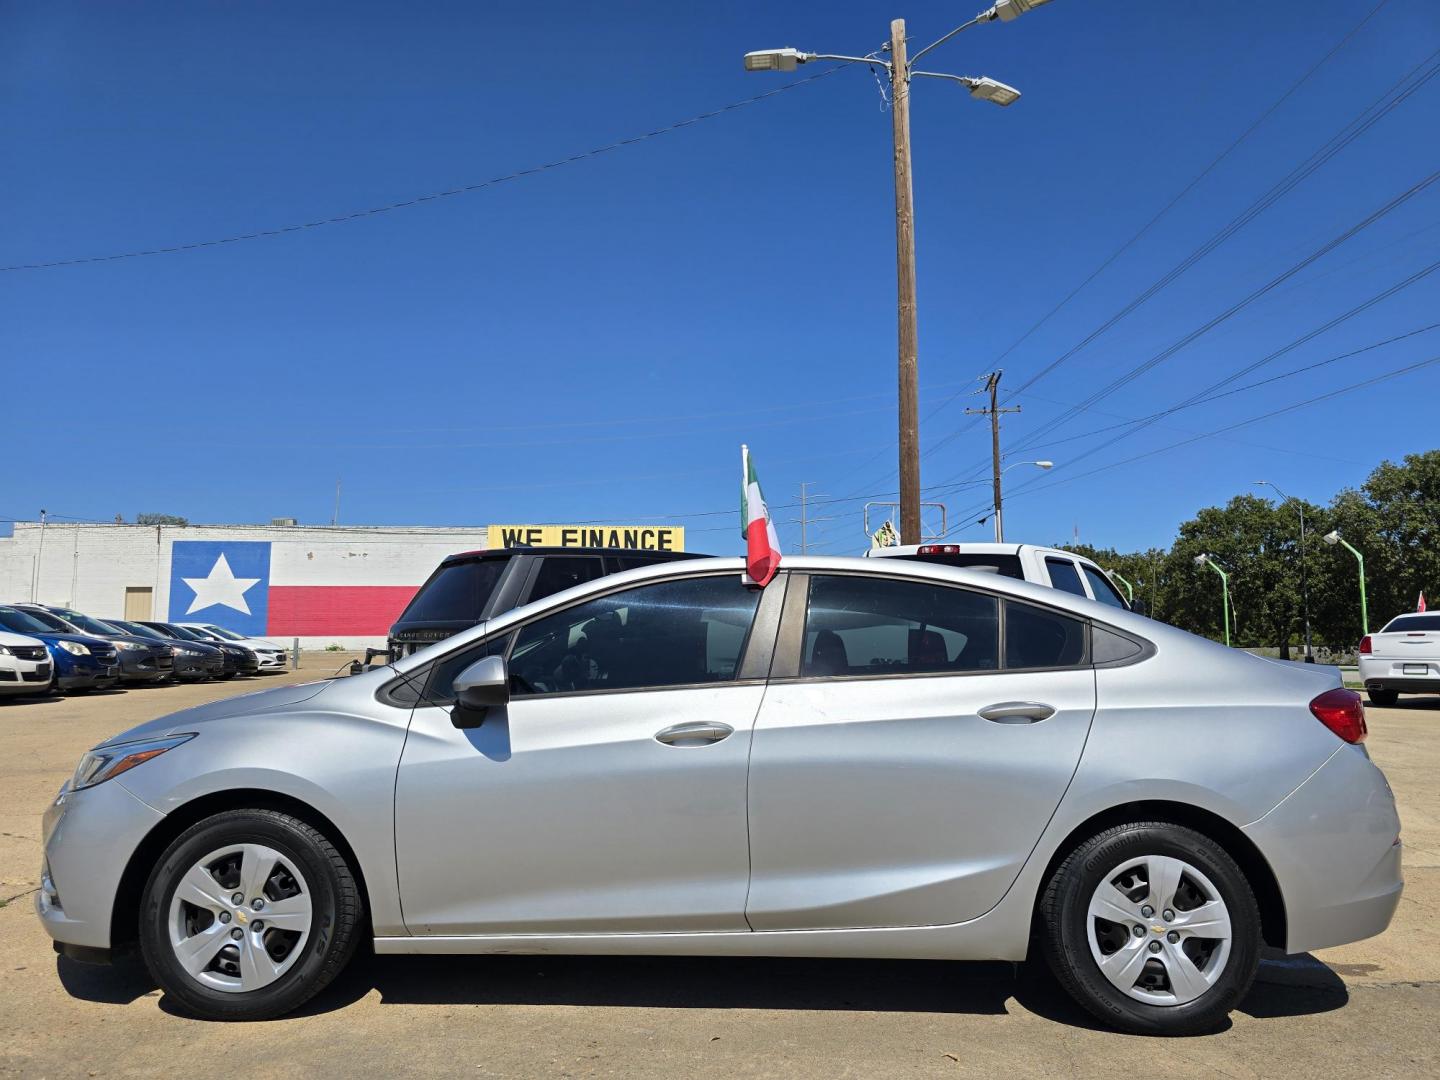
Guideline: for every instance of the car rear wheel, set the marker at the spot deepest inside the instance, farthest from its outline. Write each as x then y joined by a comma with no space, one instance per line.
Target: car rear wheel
1384,699
1153,928
248,915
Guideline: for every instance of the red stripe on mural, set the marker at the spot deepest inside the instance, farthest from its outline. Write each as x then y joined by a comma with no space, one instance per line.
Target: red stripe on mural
339,610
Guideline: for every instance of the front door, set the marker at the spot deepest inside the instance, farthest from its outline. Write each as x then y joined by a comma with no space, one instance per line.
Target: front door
903,771
609,795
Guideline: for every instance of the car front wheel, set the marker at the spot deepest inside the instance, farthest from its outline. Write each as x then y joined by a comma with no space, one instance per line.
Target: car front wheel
1153,928
248,915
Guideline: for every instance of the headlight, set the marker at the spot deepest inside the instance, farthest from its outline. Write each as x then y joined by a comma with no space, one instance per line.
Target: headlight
107,762
4,651
74,648
180,650
130,646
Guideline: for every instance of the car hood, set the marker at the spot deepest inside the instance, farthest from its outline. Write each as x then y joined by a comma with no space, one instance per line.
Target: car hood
281,697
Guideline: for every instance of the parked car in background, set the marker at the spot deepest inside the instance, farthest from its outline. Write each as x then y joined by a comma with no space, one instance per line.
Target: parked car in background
1055,567
193,662
235,659
81,662
868,757
142,660
270,656
1403,658
25,666
477,585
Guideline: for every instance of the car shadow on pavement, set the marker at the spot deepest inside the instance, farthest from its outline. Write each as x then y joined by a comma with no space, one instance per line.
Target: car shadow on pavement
1286,986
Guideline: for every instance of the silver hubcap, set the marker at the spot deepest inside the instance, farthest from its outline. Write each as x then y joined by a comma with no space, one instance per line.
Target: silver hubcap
240,917
1158,930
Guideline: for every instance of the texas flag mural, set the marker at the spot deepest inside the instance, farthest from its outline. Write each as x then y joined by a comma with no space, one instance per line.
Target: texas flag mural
262,589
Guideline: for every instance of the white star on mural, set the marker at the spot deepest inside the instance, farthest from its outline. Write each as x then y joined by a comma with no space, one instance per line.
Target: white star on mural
221,587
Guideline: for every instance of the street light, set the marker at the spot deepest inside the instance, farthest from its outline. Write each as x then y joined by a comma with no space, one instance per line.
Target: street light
1208,560
1333,538
901,70
1304,577
999,503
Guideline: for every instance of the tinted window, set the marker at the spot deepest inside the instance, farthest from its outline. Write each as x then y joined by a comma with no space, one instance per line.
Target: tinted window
139,629
560,572
1101,587
20,622
672,633
1401,623
181,632
50,621
879,626
456,593
1064,577
630,562
1005,565
87,624
1039,638
440,687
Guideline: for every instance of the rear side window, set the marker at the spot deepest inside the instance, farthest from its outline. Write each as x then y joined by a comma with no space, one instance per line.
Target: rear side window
880,626
1413,623
1101,587
1063,576
560,572
1039,638
455,593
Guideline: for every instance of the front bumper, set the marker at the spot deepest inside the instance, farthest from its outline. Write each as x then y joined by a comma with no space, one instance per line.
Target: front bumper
89,678
21,676
144,667
1334,844
198,667
271,661
88,838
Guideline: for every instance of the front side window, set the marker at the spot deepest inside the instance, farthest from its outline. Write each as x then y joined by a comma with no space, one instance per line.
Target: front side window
1064,577
1103,590
560,572
1040,638
880,626
671,633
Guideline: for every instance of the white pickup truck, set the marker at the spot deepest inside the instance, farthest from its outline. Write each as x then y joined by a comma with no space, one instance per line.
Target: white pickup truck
1058,569
1403,658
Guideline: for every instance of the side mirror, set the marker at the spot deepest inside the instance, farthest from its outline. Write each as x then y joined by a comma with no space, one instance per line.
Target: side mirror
1140,607
483,684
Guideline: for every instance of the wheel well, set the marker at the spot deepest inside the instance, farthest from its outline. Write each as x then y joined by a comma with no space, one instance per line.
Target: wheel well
1239,847
125,916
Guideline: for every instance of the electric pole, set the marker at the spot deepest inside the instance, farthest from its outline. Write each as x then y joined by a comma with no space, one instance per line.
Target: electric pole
905,279
803,485
992,387
39,553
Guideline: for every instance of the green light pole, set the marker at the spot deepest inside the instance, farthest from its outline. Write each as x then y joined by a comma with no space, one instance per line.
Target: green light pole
1129,589
1207,560
1336,538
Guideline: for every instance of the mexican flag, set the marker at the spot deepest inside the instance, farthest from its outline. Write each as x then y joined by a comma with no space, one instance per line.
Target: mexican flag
762,546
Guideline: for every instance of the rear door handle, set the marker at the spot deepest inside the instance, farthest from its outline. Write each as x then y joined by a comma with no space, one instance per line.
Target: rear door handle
697,733
1018,712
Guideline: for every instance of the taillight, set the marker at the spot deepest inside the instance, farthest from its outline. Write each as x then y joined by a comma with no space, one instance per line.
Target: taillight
939,549
1340,710
1365,645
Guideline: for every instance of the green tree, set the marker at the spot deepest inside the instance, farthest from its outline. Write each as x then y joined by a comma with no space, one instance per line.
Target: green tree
160,519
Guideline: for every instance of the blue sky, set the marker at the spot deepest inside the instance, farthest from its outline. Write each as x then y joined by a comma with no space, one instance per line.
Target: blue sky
594,342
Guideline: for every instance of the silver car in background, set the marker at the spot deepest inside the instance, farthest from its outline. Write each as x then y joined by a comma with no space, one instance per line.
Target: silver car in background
867,758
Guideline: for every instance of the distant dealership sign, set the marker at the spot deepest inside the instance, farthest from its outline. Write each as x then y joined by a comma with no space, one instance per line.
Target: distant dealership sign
635,537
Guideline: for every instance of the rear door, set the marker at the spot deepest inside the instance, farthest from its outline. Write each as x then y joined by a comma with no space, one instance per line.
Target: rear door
913,743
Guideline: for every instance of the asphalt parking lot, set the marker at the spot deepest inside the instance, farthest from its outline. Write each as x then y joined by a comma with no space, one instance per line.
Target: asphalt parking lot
1370,1009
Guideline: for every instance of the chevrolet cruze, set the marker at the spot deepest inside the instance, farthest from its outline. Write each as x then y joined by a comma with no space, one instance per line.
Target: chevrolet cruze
873,758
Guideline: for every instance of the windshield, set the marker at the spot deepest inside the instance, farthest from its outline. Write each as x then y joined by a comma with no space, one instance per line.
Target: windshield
139,630
21,622
1402,623
455,593
221,632
183,633
86,623
51,622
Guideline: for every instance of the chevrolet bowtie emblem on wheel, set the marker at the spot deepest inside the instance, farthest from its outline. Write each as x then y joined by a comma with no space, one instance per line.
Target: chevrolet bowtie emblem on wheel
1157,929
242,918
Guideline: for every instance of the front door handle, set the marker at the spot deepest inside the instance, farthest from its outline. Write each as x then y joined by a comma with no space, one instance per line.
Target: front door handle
1018,712
697,733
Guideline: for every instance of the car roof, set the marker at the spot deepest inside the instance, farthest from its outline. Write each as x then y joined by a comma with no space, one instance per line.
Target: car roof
1044,595
509,552
972,548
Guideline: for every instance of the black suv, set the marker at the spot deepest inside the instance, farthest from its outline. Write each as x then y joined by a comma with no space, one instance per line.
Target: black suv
477,585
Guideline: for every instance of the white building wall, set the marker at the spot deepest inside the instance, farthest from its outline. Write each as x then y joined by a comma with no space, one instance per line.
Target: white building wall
89,567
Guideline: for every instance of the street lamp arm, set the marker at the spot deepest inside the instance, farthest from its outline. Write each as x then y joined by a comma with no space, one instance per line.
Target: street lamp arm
805,58
983,17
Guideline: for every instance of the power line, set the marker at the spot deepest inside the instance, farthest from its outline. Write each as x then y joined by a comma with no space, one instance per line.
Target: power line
419,200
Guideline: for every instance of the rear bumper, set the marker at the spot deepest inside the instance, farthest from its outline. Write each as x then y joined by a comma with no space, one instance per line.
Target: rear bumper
1389,673
1334,845
1405,686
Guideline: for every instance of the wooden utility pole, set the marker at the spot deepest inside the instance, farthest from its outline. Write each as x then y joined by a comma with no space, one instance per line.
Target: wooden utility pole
992,386
905,276
804,545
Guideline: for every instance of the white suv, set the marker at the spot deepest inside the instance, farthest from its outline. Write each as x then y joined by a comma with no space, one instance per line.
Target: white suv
270,655
25,666
1058,569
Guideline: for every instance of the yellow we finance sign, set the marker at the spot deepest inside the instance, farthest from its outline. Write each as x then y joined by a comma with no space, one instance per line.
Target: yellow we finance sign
635,537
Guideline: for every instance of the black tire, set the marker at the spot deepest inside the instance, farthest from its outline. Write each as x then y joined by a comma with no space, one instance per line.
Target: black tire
1063,912
334,930
1384,699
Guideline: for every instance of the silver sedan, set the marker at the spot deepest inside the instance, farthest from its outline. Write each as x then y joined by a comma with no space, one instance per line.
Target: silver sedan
867,758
